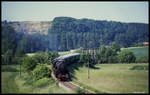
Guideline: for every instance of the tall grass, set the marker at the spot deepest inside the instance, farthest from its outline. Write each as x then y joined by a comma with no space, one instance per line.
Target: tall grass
12,83
8,83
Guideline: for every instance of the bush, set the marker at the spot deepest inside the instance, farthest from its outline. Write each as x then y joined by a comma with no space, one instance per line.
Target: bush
143,59
86,58
112,59
41,71
29,64
126,56
139,68
41,82
41,57
29,80
45,57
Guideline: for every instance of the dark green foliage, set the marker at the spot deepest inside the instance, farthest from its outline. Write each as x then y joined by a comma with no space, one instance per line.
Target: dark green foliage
143,59
29,79
86,59
41,57
137,67
68,33
115,47
107,55
45,57
8,39
7,57
112,59
52,56
73,33
126,56
9,45
17,60
29,64
41,71
43,82
101,54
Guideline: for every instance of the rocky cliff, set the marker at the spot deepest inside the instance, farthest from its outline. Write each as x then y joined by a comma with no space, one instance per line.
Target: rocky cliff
31,27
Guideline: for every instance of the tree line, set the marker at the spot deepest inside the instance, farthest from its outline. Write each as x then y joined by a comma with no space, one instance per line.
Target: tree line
108,55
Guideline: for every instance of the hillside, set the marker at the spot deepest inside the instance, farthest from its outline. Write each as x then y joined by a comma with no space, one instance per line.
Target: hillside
69,33
31,27
66,33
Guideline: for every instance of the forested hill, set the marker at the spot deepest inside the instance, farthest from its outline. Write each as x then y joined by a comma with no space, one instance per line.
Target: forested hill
66,33
72,33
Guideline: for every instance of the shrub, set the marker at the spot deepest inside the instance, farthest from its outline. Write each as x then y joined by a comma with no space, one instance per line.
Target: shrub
112,59
41,71
143,59
86,58
126,56
41,82
41,57
29,64
29,80
45,57
139,68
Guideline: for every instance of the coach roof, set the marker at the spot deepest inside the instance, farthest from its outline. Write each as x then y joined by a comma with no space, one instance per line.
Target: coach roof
67,56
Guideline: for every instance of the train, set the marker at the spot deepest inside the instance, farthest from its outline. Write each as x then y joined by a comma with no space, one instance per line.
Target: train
61,63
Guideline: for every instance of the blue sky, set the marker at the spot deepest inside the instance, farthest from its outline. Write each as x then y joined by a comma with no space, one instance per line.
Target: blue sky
47,11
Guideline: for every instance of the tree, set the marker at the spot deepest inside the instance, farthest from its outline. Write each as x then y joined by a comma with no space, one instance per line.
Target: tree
101,54
115,47
107,55
86,59
8,39
8,56
41,57
126,56
52,56
20,52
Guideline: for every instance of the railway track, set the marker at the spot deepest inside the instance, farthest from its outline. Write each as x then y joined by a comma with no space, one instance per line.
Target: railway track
70,85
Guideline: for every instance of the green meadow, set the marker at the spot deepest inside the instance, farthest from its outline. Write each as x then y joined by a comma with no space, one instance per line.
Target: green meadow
114,78
139,51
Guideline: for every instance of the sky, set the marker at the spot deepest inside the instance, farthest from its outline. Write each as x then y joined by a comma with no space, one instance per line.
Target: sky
47,11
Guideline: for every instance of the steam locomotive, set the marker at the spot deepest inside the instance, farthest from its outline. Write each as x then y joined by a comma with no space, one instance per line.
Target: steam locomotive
60,65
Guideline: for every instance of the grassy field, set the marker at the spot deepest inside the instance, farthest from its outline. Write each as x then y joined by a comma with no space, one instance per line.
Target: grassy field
8,82
13,83
114,78
138,51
